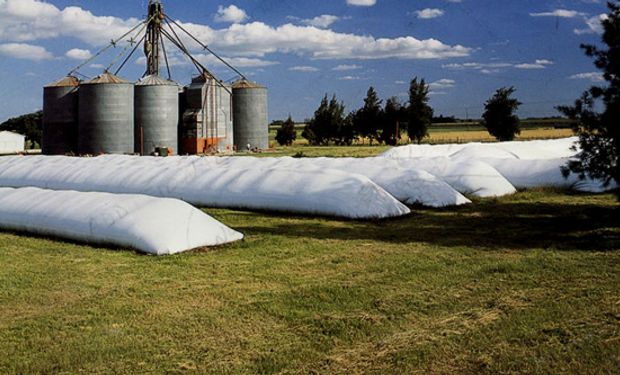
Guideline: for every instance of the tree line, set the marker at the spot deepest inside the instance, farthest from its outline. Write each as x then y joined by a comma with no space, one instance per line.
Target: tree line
385,124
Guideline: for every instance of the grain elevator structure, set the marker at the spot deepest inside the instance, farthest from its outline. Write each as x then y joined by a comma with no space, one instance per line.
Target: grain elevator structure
154,115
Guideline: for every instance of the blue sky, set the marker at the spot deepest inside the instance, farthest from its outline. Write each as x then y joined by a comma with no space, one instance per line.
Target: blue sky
301,50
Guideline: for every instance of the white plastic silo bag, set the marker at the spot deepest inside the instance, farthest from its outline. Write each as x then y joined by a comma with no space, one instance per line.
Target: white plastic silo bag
152,225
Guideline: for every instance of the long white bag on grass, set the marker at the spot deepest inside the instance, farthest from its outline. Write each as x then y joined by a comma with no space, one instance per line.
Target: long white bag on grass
526,150
328,192
410,186
152,225
525,174
468,177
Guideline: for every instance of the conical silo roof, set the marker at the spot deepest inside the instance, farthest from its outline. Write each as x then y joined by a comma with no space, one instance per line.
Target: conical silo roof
245,84
68,81
155,80
106,78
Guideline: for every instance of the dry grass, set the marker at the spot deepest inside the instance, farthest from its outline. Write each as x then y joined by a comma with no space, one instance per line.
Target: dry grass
484,136
522,284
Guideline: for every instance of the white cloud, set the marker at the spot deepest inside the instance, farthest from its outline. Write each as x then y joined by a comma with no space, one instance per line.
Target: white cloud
454,1
476,66
441,84
231,14
591,76
349,78
344,67
79,54
322,21
25,51
258,39
490,68
177,59
562,13
544,62
305,69
529,66
429,13
593,25
27,20
362,3
400,82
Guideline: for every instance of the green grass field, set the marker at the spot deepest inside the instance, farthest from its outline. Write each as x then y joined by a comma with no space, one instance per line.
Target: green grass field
522,284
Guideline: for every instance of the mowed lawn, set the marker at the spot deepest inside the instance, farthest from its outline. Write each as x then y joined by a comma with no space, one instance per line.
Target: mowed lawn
528,283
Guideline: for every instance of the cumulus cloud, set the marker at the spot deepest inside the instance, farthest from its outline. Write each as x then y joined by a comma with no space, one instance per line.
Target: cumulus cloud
322,21
231,14
362,3
27,20
304,69
344,67
442,84
562,13
429,13
349,78
258,39
25,51
594,25
78,54
175,58
590,76
490,68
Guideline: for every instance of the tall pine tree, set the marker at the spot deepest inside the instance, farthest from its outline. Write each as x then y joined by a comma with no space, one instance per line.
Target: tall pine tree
599,133
419,113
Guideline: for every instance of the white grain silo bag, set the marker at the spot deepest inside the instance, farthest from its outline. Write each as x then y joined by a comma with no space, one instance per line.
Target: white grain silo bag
422,151
525,174
409,186
152,225
327,192
468,177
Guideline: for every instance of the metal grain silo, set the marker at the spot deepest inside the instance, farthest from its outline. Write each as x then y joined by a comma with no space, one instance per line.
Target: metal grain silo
156,114
106,116
60,117
250,122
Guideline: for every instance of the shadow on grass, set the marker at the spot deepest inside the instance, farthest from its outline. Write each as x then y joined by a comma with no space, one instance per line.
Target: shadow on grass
487,225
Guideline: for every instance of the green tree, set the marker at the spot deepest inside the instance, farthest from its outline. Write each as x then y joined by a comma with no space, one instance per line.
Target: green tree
419,113
30,125
286,134
599,133
393,115
499,117
327,120
367,120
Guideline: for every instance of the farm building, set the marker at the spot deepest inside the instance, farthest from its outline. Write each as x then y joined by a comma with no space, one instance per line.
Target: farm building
11,143
111,115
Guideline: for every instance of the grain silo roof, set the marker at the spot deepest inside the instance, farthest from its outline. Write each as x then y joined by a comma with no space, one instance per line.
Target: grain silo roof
106,78
68,81
155,80
245,84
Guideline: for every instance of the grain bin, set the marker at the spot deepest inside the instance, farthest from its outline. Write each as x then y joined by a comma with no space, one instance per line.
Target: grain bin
60,117
250,122
156,114
106,116
207,119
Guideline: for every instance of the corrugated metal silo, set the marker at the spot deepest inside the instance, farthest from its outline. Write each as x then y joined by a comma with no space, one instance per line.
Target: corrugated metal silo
106,116
156,114
207,119
250,121
60,117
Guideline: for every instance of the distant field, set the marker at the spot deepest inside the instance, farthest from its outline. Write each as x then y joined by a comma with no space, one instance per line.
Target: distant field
437,135
523,284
